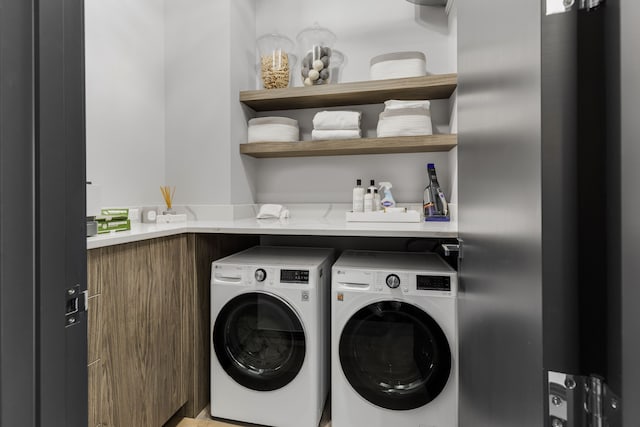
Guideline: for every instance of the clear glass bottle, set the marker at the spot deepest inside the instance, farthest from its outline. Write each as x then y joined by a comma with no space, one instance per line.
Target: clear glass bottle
276,61
315,44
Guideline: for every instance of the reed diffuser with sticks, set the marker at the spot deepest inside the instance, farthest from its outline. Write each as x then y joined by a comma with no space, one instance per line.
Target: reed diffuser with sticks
167,194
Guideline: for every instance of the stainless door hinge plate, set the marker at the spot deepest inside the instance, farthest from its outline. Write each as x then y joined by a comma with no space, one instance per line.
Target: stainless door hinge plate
453,248
580,401
554,7
76,302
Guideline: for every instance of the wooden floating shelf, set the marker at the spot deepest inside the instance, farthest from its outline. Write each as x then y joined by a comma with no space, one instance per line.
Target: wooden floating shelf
358,93
395,145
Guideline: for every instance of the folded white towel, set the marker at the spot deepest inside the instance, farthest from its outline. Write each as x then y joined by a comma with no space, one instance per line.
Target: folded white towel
405,112
397,123
273,133
394,104
337,120
318,135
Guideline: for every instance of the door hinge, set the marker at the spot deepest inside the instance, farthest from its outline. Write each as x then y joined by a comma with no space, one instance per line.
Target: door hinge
453,248
590,4
582,401
554,7
76,302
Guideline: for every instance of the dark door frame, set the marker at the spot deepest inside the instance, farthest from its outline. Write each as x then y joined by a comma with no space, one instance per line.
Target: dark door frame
42,213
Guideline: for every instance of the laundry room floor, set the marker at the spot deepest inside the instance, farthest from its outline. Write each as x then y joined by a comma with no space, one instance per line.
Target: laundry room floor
204,420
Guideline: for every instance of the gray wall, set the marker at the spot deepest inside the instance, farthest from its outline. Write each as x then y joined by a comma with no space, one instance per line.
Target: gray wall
500,173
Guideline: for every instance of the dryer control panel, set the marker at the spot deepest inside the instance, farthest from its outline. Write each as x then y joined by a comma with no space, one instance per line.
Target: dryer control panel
392,282
433,283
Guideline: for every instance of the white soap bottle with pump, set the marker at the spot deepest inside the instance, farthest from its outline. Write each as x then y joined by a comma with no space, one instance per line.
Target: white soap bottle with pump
368,201
373,190
358,197
376,200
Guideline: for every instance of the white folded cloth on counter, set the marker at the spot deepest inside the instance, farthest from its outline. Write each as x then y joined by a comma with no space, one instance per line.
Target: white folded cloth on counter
337,120
271,211
394,104
405,122
319,135
273,129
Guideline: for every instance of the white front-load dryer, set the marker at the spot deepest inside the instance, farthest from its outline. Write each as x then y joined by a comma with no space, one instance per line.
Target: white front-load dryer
270,336
394,341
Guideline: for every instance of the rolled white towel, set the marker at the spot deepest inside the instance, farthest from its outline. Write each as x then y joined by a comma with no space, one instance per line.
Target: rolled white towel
273,129
319,135
337,120
398,65
394,104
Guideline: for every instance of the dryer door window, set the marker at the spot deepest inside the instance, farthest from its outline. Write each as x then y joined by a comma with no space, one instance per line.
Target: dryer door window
395,355
259,341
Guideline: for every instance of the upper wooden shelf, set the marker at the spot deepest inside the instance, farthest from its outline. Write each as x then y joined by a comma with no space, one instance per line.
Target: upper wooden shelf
336,95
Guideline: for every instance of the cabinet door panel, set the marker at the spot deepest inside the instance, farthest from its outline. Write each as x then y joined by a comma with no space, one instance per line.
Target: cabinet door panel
129,355
94,329
95,398
167,282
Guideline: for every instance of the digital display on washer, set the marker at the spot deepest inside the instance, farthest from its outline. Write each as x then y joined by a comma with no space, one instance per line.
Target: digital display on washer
433,283
294,276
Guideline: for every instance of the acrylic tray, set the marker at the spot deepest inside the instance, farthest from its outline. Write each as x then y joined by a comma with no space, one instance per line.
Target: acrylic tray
381,216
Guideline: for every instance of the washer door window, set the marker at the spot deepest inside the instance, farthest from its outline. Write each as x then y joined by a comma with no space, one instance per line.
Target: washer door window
395,355
259,341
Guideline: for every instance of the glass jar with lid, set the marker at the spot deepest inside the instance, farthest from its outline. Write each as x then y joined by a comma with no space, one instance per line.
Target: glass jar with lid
276,60
315,44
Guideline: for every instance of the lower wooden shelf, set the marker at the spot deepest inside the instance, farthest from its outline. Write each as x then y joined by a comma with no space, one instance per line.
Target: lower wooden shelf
403,144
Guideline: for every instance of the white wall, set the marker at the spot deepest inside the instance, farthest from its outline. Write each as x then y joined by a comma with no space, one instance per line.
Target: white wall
125,100
198,74
364,29
163,78
242,54
209,59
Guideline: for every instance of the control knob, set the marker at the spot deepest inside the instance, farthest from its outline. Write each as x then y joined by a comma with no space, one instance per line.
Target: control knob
393,281
260,275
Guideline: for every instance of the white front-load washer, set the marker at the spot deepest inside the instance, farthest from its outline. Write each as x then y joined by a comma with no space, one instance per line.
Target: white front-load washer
394,341
270,336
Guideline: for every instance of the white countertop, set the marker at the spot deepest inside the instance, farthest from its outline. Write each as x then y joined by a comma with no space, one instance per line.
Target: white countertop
319,221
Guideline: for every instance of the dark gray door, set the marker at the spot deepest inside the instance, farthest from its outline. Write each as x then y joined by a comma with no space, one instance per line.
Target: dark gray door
42,209
623,155
17,234
518,313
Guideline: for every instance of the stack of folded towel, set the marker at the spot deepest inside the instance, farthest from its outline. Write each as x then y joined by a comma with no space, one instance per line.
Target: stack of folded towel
405,118
336,125
273,129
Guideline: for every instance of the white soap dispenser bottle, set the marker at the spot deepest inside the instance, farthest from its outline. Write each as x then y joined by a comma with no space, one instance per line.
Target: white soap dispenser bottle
375,204
358,197
368,201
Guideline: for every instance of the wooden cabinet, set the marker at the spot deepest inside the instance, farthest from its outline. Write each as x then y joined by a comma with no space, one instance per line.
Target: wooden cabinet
149,328
136,333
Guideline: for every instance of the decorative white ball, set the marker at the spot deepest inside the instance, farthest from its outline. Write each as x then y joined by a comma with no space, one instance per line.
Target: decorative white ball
318,65
308,82
314,75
